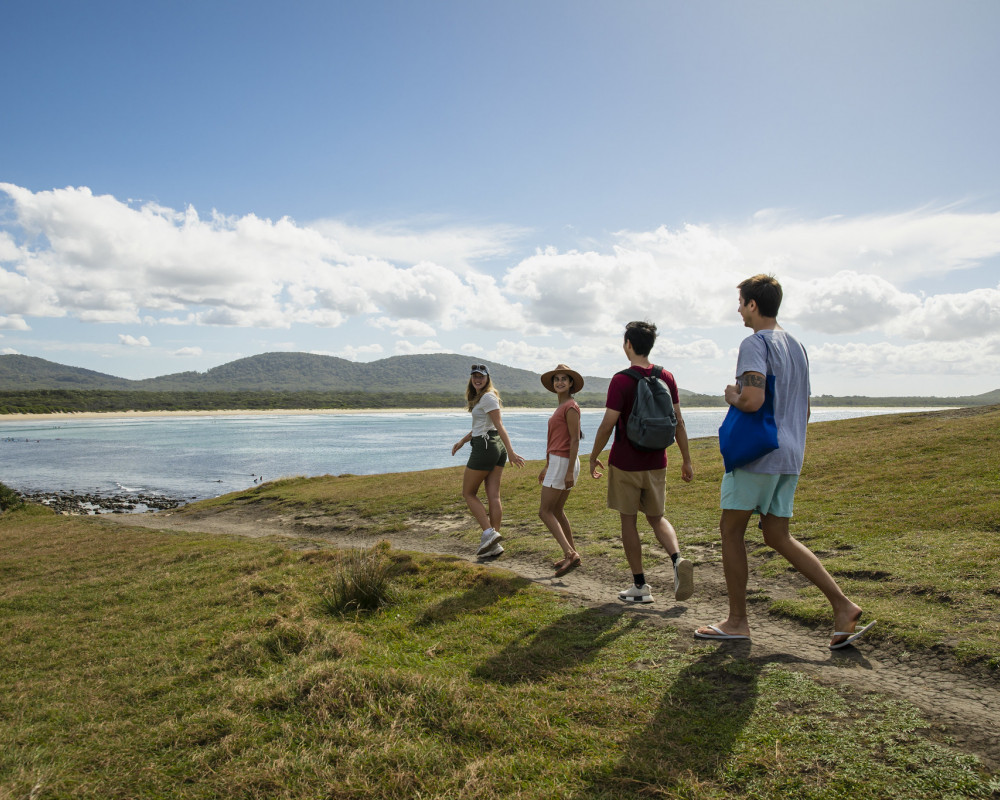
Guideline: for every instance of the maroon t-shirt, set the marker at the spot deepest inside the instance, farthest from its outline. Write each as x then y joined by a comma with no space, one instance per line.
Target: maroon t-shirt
621,396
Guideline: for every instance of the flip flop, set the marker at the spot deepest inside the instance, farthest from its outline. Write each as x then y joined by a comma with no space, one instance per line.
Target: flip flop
568,566
851,635
719,634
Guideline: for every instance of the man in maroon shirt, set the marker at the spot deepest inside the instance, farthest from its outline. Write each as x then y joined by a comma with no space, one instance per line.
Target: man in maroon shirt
637,479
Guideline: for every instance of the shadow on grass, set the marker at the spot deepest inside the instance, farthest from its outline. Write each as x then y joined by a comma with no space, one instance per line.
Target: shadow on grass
573,639
486,589
692,734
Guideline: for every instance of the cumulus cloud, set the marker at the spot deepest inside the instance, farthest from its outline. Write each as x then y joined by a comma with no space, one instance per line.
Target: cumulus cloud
408,348
845,302
930,359
13,324
70,253
103,260
359,353
9,351
403,327
952,317
188,351
132,341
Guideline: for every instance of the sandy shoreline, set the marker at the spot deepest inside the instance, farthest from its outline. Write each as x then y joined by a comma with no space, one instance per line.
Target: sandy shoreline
245,412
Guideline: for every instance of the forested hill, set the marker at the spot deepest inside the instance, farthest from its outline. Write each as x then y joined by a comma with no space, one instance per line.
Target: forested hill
285,372
418,376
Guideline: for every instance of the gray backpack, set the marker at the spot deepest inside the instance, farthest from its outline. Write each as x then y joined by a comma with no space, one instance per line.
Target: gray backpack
652,421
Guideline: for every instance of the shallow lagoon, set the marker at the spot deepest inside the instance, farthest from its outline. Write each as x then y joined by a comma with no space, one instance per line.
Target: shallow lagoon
204,456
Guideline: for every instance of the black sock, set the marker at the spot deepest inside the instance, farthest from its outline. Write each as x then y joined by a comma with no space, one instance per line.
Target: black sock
639,579
674,557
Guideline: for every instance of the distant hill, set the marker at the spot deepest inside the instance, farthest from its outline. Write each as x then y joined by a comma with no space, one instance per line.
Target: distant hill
285,372
439,373
21,373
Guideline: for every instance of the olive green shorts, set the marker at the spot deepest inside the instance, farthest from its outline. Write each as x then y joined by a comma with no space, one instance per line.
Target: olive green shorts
487,453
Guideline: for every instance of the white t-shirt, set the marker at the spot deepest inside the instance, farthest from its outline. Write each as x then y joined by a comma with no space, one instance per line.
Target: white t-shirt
481,422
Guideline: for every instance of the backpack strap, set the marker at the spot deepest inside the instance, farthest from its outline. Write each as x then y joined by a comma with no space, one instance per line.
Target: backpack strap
633,372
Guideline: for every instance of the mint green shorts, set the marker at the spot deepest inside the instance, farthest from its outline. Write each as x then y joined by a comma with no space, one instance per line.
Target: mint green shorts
764,494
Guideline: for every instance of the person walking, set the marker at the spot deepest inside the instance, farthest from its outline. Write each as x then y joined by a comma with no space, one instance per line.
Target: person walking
562,462
491,449
766,485
637,478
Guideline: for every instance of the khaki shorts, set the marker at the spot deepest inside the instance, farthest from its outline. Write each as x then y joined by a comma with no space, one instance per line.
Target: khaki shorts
632,492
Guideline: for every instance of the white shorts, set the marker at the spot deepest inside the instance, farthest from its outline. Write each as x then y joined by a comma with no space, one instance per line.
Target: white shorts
555,473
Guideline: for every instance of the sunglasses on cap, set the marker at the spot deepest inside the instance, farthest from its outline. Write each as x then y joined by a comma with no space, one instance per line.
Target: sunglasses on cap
482,369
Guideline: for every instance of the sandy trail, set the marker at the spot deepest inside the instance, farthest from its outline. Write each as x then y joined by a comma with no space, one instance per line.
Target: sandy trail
962,708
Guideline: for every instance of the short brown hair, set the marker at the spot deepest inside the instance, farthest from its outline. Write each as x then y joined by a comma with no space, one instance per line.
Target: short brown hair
765,291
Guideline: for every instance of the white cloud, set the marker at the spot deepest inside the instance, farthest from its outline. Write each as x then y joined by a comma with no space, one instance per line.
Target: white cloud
403,327
132,341
933,361
455,247
951,317
359,353
845,302
67,253
9,351
13,324
407,348
185,352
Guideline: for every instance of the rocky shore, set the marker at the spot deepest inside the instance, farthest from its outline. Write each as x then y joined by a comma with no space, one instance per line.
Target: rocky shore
91,503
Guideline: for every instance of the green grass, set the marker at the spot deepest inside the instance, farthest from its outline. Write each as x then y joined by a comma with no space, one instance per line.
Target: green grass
155,665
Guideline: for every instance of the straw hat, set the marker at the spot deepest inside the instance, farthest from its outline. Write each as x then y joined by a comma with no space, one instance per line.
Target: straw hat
576,376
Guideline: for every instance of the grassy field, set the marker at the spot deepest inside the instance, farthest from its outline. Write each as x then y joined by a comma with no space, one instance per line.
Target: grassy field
142,664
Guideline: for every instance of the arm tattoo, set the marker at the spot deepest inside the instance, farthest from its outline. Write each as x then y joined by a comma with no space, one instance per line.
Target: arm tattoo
754,379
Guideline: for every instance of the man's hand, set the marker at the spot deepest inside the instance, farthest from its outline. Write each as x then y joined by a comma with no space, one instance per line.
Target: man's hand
596,467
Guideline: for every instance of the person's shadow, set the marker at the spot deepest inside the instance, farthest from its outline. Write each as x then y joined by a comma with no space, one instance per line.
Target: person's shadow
692,733
571,640
486,590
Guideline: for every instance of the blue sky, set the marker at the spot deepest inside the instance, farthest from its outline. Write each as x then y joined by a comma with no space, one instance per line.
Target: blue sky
187,183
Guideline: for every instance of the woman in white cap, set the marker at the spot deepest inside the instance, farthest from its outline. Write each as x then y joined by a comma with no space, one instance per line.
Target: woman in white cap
562,465
491,449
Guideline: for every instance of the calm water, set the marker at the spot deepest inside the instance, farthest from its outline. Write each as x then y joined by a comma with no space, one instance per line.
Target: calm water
199,457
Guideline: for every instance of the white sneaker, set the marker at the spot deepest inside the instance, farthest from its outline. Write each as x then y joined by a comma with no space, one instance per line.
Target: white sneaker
490,538
496,551
636,594
683,579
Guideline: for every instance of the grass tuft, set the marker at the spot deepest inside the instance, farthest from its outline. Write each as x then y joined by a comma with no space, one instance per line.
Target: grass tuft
362,582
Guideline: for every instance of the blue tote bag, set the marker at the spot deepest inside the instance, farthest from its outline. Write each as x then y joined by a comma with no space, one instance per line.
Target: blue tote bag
745,437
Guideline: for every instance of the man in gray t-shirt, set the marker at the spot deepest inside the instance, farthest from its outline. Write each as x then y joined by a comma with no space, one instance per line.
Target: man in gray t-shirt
767,486
775,352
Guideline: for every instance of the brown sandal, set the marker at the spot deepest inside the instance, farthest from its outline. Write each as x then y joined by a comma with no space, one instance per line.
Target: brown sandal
568,565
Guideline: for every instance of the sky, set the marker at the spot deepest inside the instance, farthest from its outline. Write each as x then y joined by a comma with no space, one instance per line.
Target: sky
183,184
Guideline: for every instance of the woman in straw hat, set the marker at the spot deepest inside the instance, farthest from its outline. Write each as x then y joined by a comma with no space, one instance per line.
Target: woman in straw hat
491,449
562,466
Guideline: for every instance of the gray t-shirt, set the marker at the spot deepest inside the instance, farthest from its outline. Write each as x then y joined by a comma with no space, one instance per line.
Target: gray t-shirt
778,353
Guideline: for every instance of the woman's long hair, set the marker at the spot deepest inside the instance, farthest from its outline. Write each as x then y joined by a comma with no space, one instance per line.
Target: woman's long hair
473,397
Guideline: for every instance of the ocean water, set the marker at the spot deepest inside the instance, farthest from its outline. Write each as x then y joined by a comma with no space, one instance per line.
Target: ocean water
206,456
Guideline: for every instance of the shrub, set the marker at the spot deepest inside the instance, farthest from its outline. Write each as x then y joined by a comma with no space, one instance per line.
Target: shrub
9,499
361,582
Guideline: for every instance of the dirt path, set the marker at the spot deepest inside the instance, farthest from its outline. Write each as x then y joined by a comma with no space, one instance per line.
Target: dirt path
963,709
